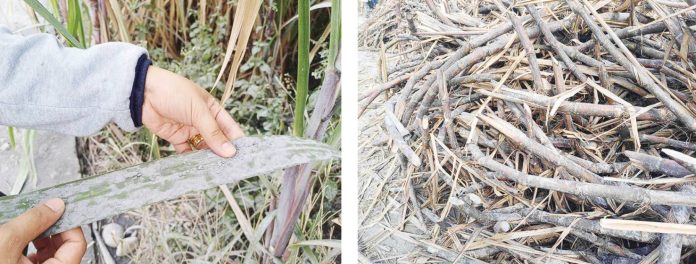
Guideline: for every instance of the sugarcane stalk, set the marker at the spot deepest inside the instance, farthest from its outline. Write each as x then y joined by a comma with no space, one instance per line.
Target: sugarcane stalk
617,85
625,194
298,180
639,73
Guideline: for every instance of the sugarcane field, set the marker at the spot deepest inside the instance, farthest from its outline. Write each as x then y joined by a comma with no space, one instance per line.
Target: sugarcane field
502,131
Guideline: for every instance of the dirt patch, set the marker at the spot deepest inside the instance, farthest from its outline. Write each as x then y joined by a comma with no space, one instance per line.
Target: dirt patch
382,181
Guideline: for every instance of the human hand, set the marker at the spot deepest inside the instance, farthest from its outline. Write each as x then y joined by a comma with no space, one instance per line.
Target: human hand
65,248
176,109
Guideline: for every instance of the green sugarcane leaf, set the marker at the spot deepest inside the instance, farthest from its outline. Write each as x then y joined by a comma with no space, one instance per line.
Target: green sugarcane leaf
98,197
335,39
89,27
302,67
75,21
11,134
39,8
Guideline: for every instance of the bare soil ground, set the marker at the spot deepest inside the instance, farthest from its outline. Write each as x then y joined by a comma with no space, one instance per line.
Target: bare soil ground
382,182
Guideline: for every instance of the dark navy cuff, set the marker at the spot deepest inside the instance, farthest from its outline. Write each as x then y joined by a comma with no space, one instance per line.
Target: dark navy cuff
137,96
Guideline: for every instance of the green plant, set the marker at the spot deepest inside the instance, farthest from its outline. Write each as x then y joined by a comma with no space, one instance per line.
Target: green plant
27,168
298,181
41,10
302,66
11,134
75,26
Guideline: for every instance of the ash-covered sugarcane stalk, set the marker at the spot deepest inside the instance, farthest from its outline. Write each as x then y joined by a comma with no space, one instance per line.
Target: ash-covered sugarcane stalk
555,113
98,197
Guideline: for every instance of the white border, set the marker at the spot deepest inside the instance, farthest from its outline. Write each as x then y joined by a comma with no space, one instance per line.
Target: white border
349,131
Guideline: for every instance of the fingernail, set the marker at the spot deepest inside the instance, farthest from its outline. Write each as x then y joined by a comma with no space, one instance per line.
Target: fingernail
229,149
56,204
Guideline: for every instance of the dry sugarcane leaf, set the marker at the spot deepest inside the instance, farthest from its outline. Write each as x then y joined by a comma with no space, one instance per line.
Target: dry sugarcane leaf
561,98
234,34
248,24
383,63
645,226
247,229
325,4
498,86
560,239
629,108
516,235
94,198
118,16
244,19
684,48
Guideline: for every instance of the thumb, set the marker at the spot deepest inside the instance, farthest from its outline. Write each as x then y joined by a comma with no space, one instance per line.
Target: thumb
213,135
17,233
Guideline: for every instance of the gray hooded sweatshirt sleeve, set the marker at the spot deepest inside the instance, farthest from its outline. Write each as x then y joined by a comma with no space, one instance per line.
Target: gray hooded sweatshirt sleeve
44,85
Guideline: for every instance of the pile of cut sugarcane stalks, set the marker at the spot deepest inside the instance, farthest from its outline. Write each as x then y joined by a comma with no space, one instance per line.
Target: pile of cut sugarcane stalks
541,131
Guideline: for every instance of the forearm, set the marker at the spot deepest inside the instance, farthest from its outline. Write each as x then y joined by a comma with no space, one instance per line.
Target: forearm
44,85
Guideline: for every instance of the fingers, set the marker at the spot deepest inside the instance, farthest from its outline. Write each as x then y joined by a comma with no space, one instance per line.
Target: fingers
229,126
222,130
171,100
43,243
29,225
213,135
72,248
66,247
176,134
173,131
182,147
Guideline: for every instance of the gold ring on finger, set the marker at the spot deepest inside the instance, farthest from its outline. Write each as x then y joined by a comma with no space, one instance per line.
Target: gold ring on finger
195,140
